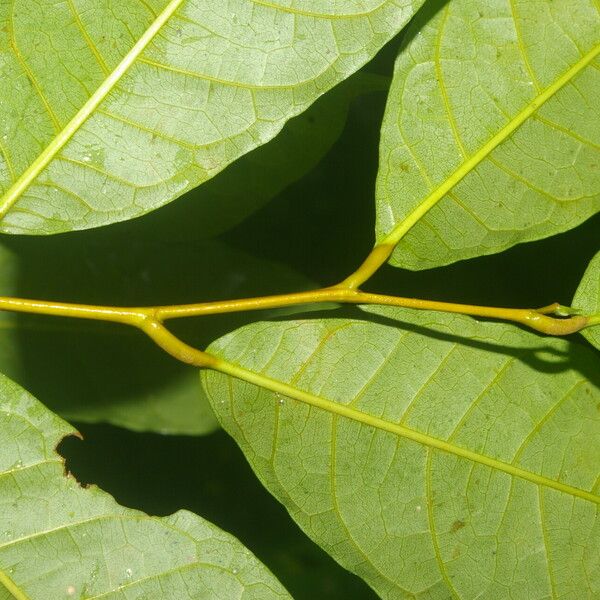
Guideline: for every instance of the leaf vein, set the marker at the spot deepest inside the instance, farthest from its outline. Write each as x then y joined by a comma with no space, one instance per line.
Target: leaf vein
521,47
527,183
474,160
8,162
394,428
42,161
227,82
442,86
428,381
318,15
433,530
87,38
155,576
546,543
336,508
538,426
153,132
27,70
568,132
14,470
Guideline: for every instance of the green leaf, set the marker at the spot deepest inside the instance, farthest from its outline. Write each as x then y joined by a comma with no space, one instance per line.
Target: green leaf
491,135
109,112
257,177
58,540
93,372
587,299
469,468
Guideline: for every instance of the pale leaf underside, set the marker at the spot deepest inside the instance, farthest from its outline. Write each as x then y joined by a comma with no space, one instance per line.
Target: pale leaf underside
58,540
587,299
518,517
111,109
492,131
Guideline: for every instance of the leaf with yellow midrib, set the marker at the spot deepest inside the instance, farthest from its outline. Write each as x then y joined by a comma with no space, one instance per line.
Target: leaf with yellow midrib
59,540
430,454
490,136
109,112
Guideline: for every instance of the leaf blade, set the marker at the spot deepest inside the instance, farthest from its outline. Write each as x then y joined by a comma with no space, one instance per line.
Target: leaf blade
57,143
444,182
587,299
198,87
54,548
402,379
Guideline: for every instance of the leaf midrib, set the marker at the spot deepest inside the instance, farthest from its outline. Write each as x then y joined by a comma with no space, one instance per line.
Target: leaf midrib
471,163
11,587
424,439
59,141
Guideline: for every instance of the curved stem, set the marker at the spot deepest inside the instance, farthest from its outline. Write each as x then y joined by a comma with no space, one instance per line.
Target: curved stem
376,258
176,347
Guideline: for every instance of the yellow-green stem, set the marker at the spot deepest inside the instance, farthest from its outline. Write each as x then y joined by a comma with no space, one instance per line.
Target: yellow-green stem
128,316
538,319
174,346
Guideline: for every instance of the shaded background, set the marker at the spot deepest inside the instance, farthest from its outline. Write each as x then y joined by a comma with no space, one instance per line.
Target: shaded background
322,227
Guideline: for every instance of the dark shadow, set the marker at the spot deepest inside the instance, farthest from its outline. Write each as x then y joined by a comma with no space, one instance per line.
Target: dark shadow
69,362
426,13
209,476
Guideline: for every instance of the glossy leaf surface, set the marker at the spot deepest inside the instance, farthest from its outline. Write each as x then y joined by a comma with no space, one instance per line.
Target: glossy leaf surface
491,135
489,488
62,541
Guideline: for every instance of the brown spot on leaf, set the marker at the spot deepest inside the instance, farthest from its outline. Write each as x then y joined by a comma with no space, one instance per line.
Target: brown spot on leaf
458,524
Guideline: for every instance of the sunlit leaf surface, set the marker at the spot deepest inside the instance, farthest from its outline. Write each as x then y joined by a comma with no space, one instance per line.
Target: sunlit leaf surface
59,540
587,299
490,490
109,110
492,123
